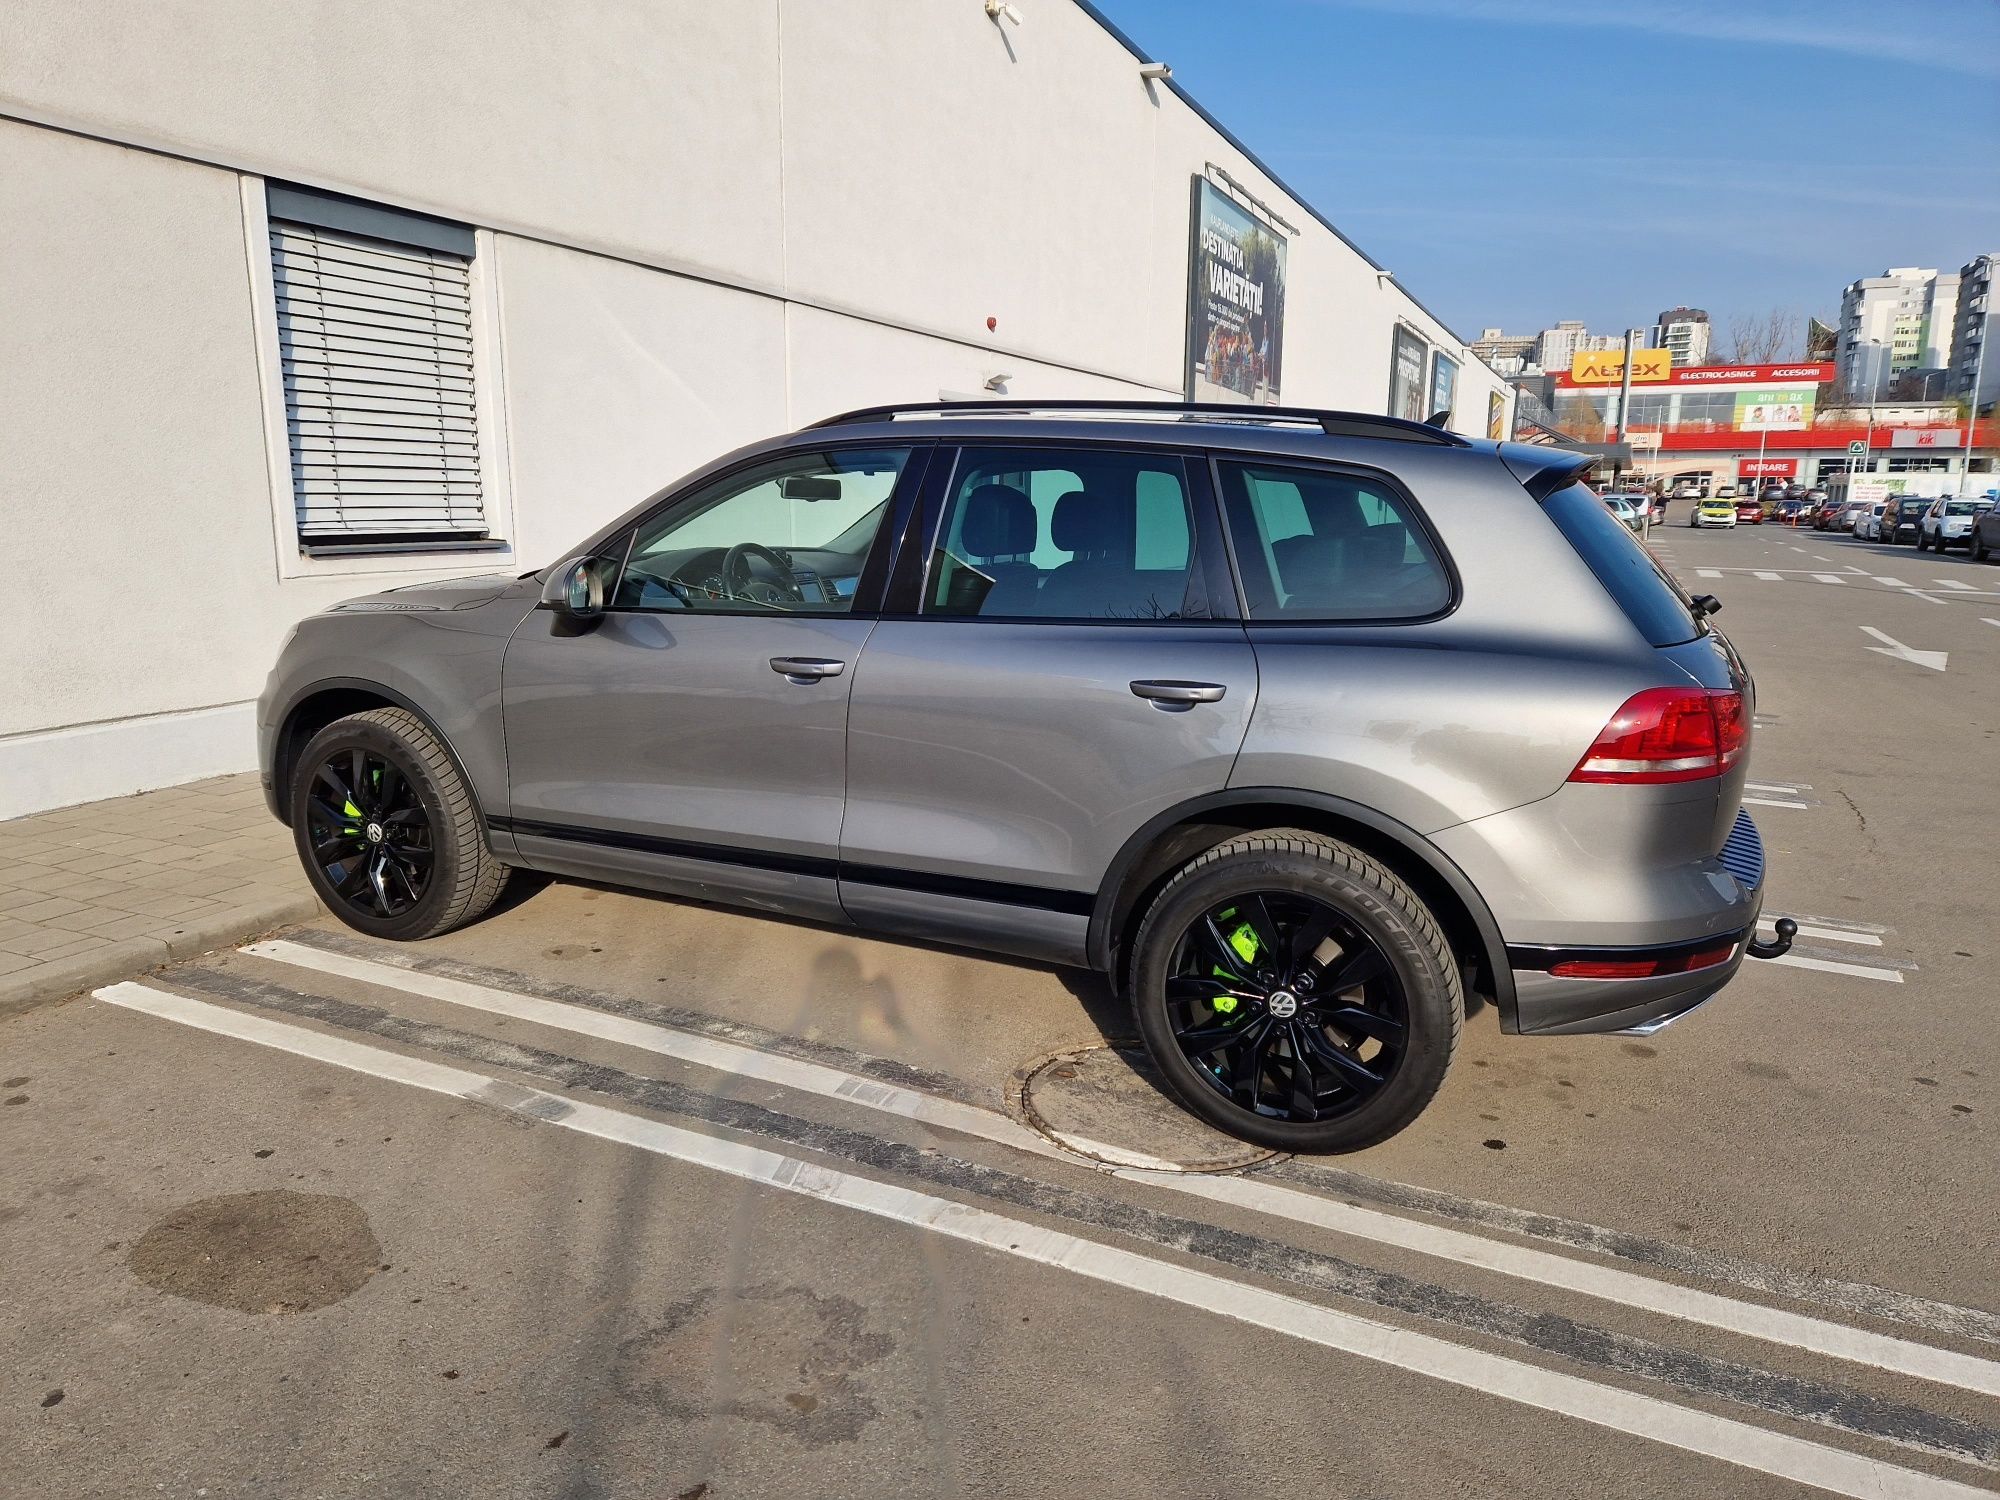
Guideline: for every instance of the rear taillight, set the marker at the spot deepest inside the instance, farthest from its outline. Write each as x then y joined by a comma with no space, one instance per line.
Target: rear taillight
1668,734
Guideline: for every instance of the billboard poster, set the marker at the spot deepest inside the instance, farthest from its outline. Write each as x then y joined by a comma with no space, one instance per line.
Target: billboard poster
1774,410
1496,415
1444,381
1406,375
1236,302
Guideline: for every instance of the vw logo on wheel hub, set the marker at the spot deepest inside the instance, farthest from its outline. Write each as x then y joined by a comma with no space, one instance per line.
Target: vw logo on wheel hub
374,832
1284,1003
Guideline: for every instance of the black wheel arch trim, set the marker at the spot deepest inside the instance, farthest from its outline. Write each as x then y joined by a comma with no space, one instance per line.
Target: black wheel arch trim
281,772
1106,911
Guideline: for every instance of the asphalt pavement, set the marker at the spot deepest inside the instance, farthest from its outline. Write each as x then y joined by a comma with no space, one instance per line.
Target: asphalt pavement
610,1195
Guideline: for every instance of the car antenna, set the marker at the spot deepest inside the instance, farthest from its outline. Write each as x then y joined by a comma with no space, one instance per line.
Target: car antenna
1438,418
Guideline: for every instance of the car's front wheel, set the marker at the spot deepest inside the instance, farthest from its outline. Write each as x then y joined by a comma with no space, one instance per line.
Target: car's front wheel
387,829
1296,993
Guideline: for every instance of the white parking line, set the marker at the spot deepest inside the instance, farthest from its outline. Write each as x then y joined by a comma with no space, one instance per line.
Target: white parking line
1778,786
1892,583
1828,578
1607,1283
1990,620
1606,1406
1830,966
1769,577
1953,583
1708,572
1775,802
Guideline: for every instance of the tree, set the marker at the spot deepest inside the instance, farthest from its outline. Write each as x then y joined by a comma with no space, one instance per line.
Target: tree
1577,415
1762,338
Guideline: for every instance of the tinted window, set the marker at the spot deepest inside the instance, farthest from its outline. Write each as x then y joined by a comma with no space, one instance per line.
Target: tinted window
1652,600
790,536
1315,545
1065,534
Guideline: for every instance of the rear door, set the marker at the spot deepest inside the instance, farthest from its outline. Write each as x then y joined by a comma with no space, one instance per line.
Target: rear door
1059,662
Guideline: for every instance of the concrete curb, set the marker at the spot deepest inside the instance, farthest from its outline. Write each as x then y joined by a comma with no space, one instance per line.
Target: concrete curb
46,984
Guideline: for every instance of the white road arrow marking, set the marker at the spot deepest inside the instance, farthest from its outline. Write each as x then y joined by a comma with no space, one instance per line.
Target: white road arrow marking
1892,647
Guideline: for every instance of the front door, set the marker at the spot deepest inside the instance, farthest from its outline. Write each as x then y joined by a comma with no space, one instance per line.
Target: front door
1062,680
694,739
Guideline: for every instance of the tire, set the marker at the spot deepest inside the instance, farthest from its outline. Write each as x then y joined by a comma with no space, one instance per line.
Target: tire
1979,552
456,879
1377,918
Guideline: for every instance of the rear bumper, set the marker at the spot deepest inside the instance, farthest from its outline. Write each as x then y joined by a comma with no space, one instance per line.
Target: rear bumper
1550,1004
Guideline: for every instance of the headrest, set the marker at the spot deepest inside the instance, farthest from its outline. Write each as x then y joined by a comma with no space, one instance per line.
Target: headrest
1331,509
1084,522
999,521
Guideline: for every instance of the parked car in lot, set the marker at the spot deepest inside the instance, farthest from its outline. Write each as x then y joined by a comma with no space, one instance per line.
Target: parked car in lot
1948,523
1901,522
1750,512
1713,512
1869,527
1826,513
1725,492
1984,538
1072,682
1812,496
1792,512
1849,515
1632,510
1688,489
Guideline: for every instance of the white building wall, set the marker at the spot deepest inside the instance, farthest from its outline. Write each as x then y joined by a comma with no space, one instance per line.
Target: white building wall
700,224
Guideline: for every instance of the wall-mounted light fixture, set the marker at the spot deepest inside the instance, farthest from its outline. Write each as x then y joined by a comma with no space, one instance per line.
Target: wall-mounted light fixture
997,381
1156,72
998,10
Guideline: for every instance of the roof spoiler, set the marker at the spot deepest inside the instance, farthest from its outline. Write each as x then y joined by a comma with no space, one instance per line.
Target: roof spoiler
1544,470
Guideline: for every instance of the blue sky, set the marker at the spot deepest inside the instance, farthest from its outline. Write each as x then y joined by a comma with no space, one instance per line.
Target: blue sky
1518,161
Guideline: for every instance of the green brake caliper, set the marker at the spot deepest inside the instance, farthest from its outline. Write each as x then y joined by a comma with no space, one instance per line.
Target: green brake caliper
348,809
1244,941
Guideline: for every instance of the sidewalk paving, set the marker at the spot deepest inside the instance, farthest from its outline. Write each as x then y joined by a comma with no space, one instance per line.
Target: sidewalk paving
102,891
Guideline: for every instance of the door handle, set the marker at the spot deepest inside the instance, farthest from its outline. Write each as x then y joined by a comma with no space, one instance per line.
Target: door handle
1178,697
806,668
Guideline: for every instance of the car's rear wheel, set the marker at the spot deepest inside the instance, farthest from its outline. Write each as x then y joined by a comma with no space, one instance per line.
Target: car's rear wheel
1979,552
387,829
1296,993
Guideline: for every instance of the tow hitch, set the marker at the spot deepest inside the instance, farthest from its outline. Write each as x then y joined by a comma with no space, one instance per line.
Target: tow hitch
1780,945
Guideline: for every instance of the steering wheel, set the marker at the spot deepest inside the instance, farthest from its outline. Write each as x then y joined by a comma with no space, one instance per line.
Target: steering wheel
742,583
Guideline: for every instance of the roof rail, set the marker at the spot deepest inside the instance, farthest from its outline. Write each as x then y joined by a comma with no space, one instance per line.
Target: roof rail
1332,423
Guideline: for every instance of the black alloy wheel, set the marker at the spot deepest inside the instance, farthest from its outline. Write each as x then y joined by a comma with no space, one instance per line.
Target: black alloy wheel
369,834
1286,1007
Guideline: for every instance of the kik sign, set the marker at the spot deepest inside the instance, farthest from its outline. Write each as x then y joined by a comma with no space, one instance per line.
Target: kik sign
1607,366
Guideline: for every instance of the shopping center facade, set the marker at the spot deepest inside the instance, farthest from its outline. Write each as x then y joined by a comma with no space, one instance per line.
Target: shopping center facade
1745,424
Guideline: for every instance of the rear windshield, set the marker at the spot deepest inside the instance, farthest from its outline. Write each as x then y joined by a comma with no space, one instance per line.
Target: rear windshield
1961,508
1653,601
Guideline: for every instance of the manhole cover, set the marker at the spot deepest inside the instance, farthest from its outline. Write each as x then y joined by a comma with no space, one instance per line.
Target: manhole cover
1109,1104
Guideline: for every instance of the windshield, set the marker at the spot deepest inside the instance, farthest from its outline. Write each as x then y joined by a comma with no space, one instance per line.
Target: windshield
1962,508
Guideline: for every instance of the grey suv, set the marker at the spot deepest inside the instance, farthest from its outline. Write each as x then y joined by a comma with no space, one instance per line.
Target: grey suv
1311,730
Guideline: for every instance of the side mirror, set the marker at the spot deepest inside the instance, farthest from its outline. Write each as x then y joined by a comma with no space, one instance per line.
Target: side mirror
575,590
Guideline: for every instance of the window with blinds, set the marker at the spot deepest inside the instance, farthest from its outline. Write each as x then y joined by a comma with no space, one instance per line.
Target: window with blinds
375,338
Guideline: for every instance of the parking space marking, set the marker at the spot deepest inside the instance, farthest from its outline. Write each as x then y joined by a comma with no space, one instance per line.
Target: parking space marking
1727,1439
1786,787
1953,583
1607,1283
1828,578
1776,802
1892,583
706,1052
1769,577
1708,572
1834,966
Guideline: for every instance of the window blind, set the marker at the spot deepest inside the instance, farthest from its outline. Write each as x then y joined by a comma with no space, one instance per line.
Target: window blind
376,344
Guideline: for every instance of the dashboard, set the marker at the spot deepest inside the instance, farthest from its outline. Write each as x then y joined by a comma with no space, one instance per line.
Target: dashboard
692,576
